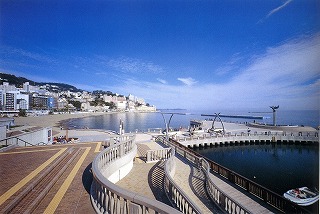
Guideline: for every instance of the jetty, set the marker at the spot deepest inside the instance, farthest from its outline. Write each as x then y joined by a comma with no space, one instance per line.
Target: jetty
235,116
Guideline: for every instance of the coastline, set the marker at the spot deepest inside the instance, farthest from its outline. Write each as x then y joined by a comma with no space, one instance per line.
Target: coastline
53,121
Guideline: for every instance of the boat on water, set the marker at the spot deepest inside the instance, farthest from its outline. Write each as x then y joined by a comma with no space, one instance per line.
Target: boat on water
302,196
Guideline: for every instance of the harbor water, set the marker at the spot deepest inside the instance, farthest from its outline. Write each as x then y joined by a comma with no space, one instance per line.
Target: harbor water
278,167
143,121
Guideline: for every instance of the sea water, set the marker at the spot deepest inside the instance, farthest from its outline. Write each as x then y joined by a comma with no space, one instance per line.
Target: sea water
143,121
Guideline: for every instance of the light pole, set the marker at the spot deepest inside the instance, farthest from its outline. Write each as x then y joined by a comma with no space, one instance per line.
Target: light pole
168,124
274,113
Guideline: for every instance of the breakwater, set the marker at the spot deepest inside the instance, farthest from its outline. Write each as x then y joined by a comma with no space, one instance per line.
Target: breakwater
235,116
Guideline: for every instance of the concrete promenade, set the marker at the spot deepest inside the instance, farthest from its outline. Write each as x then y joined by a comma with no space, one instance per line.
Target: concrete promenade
22,166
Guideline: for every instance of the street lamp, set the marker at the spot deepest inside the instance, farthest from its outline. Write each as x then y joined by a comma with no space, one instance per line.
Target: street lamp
168,124
274,113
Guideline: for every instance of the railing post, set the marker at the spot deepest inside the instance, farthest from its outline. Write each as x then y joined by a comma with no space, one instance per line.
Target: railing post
121,150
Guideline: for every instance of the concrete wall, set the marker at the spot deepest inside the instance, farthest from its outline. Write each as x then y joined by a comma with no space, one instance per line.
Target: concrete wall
3,131
38,137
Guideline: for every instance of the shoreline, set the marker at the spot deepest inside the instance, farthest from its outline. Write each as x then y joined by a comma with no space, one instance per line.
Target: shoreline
53,121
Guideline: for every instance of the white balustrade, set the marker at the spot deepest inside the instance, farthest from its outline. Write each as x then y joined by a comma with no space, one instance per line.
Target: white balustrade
107,197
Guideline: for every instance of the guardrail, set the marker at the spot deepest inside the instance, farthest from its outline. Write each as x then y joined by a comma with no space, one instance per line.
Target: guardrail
254,189
206,139
221,199
17,141
217,195
157,155
107,197
174,193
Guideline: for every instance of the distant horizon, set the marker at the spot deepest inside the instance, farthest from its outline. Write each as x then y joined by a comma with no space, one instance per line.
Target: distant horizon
254,109
234,54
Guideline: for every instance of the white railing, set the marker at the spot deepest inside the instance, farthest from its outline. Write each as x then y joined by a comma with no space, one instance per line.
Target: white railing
175,194
206,139
157,155
107,197
217,195
221,199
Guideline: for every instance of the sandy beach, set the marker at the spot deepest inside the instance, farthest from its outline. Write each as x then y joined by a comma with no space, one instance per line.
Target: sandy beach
52,120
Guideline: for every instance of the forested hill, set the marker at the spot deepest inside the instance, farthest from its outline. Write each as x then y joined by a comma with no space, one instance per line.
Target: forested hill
18,82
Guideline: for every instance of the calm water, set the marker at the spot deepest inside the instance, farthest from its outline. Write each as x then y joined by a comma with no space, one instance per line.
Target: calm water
279,167
143,121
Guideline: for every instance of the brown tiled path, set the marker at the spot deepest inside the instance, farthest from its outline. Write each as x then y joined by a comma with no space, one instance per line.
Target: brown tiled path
70,194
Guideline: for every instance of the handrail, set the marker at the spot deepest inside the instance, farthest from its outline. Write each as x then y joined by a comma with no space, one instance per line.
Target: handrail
296,136
14,140
157,155
251,187
224,202
107,197
174,193
217,195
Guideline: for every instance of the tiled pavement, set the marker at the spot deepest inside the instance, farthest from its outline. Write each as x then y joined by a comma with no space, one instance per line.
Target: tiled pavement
20,166
70,194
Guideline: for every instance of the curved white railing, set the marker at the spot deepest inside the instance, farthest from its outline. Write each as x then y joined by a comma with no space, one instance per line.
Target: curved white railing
174,193
217,195
106,197
207,139
157,155
221,199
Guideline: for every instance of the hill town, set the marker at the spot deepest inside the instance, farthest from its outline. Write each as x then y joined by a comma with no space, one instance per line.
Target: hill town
21,96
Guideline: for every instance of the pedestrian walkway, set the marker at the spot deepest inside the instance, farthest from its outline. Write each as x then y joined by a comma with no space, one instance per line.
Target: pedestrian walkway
21,167
192,182
246,201
146,178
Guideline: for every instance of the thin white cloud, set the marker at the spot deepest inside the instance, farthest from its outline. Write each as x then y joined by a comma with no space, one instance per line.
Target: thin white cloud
287,75
132,65
162,81
22,55
275,10
278,8
187,81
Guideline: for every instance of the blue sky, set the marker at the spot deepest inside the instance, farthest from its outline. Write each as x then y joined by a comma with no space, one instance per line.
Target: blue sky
219,54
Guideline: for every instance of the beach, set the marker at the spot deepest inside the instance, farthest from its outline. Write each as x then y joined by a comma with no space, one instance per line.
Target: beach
52,120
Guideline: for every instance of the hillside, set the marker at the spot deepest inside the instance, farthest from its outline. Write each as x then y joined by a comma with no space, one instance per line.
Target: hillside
53,87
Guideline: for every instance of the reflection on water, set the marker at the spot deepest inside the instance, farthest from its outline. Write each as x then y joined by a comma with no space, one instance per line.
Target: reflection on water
278,167
132,121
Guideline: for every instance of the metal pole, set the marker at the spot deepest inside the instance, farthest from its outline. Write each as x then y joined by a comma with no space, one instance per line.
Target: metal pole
168,124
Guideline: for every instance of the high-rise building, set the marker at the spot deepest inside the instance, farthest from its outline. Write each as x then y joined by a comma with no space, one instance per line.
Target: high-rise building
10,101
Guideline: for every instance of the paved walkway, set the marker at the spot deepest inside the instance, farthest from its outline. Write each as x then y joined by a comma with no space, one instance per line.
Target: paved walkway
21,166
192,181
146,178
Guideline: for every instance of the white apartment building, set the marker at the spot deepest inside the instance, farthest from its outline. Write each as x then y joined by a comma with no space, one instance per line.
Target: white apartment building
22,101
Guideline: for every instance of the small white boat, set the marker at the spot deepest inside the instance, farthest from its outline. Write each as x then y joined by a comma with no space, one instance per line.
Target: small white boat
302,196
